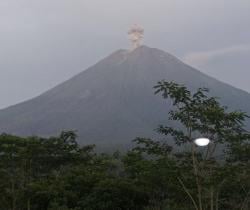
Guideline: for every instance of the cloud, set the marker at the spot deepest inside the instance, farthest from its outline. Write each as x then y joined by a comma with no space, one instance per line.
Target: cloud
201,58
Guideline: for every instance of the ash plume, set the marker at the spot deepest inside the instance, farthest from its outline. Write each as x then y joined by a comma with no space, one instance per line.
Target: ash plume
136,34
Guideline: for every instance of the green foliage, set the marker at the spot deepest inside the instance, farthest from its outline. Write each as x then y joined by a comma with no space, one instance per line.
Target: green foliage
58,174
206,173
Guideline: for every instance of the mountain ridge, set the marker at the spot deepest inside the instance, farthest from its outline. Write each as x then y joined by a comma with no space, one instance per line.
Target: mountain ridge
113,101
123,51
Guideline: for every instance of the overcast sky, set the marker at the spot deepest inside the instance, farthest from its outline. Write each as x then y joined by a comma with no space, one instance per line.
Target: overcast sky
44,42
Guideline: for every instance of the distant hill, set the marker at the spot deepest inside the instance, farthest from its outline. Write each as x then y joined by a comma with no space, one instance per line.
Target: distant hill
113,101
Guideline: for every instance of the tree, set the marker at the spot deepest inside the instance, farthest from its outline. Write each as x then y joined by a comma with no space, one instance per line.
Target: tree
58,174
203,172
28,166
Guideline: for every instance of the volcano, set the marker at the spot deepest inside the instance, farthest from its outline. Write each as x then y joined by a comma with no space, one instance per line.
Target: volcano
112,102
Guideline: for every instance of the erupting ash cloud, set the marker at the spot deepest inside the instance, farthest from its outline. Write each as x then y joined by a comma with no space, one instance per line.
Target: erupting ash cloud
135,34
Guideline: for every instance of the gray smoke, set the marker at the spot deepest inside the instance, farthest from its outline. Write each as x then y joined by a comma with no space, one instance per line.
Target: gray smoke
136,33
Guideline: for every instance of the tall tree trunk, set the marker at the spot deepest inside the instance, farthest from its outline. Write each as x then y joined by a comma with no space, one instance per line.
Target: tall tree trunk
28,204
13,195
198,184
212,198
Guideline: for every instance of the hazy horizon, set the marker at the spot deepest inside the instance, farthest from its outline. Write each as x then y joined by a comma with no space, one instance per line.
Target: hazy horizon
45,43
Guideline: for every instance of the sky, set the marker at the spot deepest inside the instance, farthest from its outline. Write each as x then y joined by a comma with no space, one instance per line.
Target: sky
45,42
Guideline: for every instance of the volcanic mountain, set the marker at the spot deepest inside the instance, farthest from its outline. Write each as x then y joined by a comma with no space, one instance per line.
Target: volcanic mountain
113,102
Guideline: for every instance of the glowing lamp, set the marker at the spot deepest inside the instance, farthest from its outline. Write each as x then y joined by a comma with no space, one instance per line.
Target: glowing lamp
202,142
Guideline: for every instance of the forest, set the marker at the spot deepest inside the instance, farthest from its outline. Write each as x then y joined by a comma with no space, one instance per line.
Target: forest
173,173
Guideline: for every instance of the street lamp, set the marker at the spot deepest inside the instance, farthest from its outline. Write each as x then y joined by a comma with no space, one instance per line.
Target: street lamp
202,142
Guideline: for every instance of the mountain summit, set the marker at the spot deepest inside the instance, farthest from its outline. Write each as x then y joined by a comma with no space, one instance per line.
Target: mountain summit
113,101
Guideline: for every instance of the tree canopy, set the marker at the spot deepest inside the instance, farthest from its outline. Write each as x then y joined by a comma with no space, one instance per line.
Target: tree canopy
173,173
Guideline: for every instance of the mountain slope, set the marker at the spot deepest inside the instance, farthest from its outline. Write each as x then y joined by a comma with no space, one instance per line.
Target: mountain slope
113,102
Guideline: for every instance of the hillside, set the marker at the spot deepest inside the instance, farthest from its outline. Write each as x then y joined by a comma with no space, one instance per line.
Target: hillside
113,101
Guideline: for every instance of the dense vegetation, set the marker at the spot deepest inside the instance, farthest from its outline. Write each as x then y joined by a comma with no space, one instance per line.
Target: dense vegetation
58,174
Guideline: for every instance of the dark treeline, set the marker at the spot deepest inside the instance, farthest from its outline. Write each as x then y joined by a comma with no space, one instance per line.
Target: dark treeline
58,174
